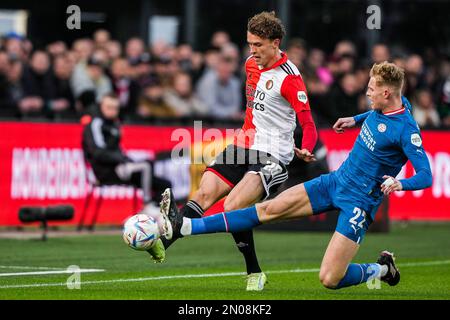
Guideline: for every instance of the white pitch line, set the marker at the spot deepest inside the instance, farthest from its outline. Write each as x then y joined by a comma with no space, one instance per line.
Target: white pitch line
206,275
34,273
426,263
29,268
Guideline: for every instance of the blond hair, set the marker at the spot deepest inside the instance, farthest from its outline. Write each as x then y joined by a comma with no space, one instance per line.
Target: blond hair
266,25
388,74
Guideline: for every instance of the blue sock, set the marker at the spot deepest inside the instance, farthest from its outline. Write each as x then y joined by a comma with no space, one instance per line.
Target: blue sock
233,221
359,273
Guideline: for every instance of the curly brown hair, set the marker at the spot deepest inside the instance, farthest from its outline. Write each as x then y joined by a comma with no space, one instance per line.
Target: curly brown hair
388,74
266,25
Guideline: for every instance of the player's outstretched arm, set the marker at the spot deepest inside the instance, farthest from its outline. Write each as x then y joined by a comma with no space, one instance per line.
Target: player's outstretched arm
304,154
343,123
349,122
294,91
411,142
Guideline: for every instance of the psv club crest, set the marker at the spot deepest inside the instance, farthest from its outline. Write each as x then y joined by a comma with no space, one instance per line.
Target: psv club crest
381,127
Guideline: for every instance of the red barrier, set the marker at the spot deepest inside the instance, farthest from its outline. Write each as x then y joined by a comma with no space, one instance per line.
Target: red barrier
42,164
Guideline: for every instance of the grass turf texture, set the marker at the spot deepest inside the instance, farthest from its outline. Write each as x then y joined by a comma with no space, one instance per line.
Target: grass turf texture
213,254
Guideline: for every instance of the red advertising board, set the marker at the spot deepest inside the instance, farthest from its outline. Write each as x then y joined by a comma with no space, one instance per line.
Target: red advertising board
42,164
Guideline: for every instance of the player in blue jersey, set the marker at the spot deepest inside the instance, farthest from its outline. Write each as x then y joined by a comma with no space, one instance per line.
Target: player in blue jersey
388,138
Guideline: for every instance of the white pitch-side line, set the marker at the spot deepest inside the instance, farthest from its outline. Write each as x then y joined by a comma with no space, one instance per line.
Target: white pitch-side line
425,263
29,268
207,275
184,276
34,273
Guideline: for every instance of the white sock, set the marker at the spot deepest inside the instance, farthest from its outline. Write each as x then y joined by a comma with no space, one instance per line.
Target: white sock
383,270
186,228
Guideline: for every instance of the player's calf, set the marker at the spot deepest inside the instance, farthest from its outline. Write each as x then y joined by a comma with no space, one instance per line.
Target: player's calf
293,203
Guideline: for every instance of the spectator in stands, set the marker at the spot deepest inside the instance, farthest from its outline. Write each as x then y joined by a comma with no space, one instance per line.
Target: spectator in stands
38,86
362,78
443,92
89,84
220,38
318,79
139,60
414,75
424,111
380,53
151,103
101,38
101,55
160,49
184,57
212,55
345,48
125,88
63,102
181,98
230,51
400,61
114,49
220,90
297,51
162,71
11,90
15,46
189,61
4,69
56,48
83,49
101,146
134,50
71,58
343,98
315,67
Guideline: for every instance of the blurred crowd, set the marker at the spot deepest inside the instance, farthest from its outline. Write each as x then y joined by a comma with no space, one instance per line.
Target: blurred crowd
163,81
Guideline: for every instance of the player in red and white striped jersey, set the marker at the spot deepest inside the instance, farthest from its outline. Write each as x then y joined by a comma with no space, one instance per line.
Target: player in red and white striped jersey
252,168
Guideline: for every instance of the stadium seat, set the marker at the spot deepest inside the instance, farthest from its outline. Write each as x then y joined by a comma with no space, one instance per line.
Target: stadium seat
93,183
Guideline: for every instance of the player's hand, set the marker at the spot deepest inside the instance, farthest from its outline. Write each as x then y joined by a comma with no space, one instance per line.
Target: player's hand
388,188
305,155
343,123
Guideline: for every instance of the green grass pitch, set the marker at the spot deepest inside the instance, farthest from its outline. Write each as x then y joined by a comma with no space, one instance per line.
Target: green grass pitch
209,267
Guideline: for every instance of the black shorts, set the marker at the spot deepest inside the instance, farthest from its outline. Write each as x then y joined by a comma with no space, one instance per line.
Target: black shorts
234,162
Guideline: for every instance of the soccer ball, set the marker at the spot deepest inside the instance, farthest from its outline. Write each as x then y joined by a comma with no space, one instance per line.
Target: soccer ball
141,232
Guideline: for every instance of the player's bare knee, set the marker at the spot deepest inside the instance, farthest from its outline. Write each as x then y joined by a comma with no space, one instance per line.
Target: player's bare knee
230,204
328,279
204,196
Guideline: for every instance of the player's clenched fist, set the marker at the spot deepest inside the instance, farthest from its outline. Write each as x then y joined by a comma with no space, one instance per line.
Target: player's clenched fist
343,123
390,185
305,155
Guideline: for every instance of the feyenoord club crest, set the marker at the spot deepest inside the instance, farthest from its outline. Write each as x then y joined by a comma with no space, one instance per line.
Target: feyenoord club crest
269,84
382,127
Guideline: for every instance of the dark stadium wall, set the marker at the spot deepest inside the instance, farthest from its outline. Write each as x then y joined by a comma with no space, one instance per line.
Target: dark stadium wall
412,24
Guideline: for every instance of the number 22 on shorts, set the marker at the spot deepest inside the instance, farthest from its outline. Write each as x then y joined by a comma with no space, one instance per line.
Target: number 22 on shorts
358,213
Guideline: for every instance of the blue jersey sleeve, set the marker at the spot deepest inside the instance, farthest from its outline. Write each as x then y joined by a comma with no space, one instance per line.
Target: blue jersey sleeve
361,117
411,143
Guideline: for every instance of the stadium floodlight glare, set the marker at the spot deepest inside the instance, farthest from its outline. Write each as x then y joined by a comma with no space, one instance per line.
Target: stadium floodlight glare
45,214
